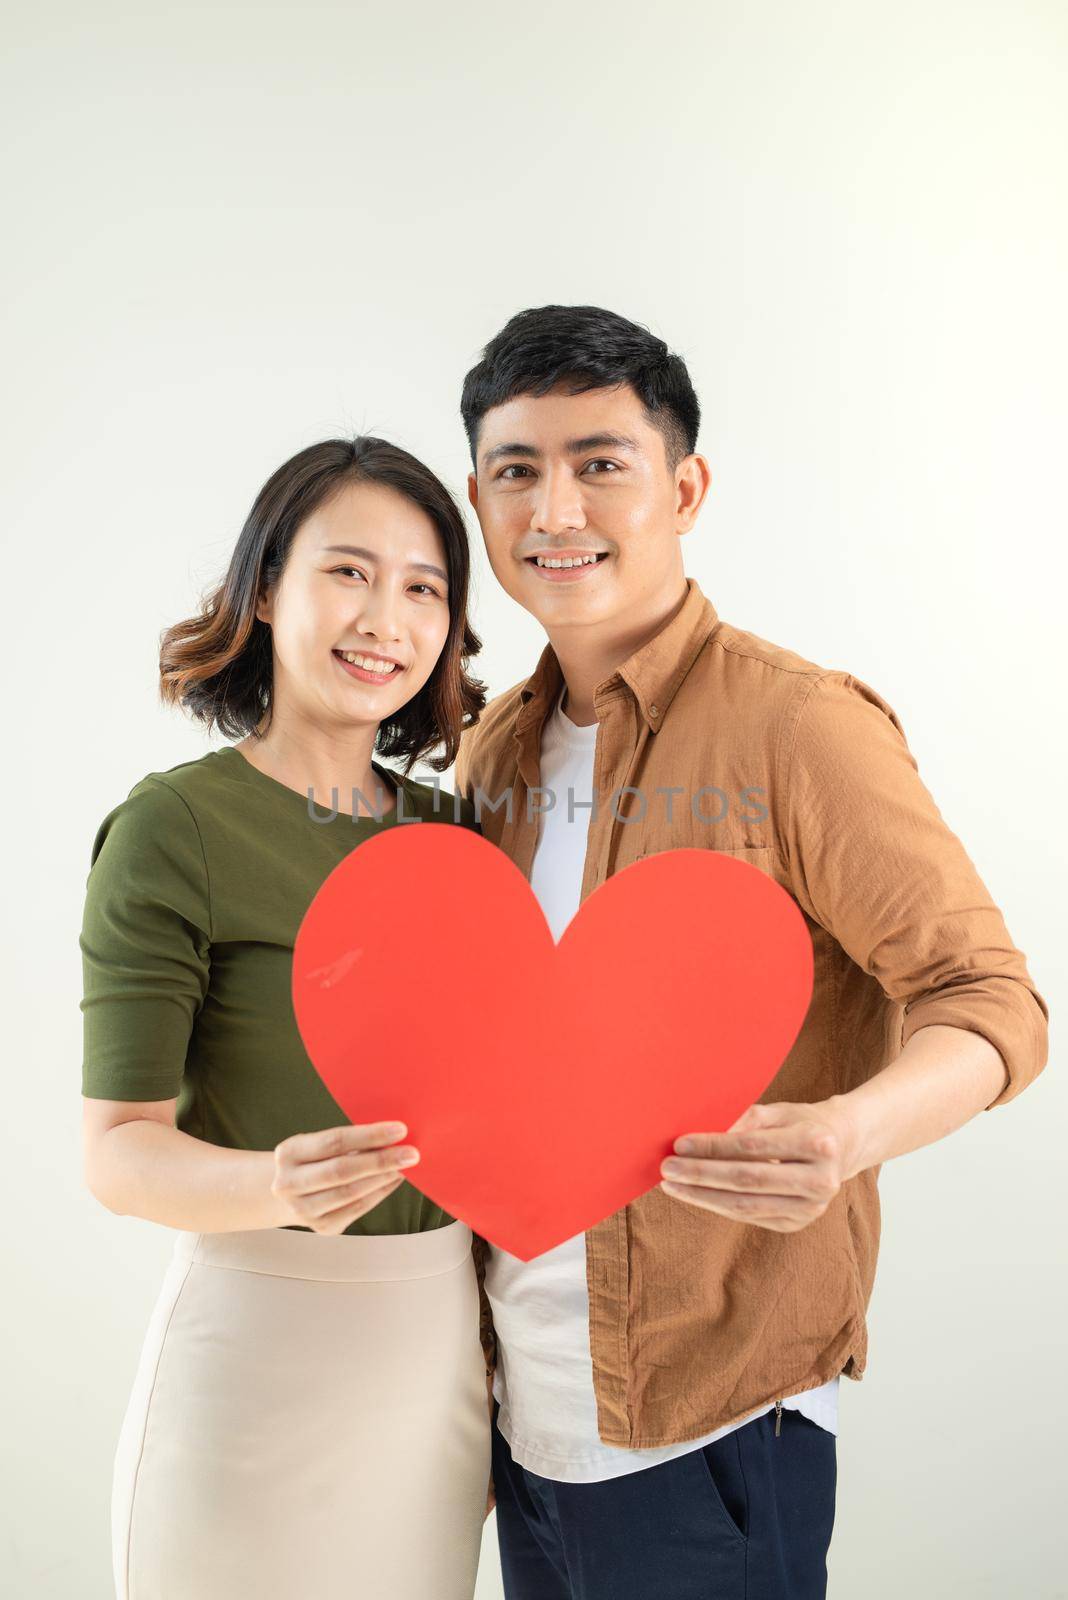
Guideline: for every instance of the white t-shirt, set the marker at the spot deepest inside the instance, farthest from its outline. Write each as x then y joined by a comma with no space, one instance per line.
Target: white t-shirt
541,1308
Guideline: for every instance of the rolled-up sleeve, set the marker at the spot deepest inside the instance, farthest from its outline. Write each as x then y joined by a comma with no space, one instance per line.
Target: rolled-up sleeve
874,863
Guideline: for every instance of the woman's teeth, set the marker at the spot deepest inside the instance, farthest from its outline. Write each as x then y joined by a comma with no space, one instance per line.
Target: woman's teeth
368,663
565,561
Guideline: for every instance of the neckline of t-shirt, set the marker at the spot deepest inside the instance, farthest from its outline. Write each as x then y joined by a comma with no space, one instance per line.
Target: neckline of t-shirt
256,777
572,732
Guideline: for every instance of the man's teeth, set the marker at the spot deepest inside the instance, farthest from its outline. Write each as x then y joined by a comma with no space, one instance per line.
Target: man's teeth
564,561
368,663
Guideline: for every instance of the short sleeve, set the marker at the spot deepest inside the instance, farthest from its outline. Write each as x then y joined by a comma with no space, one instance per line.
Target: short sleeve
873,861
145,944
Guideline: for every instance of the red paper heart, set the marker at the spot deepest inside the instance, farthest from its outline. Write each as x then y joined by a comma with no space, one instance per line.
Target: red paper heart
544,1084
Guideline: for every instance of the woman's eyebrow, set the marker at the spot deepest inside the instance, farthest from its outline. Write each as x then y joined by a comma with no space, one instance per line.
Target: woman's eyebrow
369,555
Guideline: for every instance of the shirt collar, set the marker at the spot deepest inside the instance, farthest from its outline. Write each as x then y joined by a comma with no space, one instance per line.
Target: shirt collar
653,673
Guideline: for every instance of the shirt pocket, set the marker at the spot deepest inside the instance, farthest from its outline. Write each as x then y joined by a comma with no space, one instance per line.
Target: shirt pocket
765,857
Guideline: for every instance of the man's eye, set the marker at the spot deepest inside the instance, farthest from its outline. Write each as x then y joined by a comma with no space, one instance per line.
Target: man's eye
516,467
601,462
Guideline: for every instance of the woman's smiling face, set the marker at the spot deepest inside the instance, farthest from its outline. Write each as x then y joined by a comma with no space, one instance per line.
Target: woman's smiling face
366,576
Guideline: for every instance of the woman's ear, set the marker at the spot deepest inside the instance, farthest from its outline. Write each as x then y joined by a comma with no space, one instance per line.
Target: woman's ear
264,605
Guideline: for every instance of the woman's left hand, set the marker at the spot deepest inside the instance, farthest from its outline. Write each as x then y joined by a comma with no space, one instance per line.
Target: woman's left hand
779,1166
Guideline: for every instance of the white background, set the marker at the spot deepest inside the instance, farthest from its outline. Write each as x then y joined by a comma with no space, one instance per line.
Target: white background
234,231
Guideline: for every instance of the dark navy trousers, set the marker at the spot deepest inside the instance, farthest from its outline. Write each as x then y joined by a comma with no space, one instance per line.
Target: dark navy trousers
748,1517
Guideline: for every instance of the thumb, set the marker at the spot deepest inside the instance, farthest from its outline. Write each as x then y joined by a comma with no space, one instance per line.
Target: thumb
761,1115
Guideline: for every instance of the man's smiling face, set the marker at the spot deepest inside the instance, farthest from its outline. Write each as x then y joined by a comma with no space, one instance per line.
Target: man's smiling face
583,479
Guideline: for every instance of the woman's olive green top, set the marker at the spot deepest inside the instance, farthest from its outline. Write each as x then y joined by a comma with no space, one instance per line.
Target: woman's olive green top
198,884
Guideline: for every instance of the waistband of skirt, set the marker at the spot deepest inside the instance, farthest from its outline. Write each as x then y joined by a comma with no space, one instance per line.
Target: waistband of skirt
339,1258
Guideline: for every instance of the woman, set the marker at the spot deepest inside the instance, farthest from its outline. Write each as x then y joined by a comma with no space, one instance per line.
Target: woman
309,1416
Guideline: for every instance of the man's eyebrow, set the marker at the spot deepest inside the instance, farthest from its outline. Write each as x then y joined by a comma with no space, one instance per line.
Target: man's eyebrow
369,555
573,447
601,441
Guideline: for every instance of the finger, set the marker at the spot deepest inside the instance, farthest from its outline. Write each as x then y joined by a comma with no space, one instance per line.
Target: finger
312,1177
342,1140
800,1141
365,1201
780,1177
745,1207
327,1200
338,1220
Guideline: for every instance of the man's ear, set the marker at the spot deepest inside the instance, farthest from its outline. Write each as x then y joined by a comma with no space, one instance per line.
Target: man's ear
472,489
692,478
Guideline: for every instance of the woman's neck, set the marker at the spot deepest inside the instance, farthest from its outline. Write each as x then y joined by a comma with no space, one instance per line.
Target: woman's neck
335,770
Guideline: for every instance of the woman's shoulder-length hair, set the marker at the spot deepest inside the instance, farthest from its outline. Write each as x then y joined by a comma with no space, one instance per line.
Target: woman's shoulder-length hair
218,665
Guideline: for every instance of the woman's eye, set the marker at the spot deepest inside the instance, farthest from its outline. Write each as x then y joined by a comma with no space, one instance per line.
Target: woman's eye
427,588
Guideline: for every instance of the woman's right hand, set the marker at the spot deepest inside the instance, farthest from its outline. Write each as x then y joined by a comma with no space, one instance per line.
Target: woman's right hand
325,1180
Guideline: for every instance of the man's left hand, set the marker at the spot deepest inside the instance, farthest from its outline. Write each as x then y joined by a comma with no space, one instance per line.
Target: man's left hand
779,1166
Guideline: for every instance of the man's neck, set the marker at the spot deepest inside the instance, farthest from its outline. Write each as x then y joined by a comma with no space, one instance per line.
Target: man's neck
588,656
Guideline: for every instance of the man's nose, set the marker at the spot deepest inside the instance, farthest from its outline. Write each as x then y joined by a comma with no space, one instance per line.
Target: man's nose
558,504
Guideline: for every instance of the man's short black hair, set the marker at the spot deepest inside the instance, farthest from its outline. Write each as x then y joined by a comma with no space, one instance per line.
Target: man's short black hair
587,348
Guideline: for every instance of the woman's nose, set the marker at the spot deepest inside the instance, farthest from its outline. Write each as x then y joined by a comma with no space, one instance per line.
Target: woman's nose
380,613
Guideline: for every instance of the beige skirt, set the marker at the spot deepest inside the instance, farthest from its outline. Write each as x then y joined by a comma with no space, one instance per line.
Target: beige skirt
308,1419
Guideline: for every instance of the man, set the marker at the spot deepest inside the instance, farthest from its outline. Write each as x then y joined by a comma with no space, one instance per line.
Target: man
666,1385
